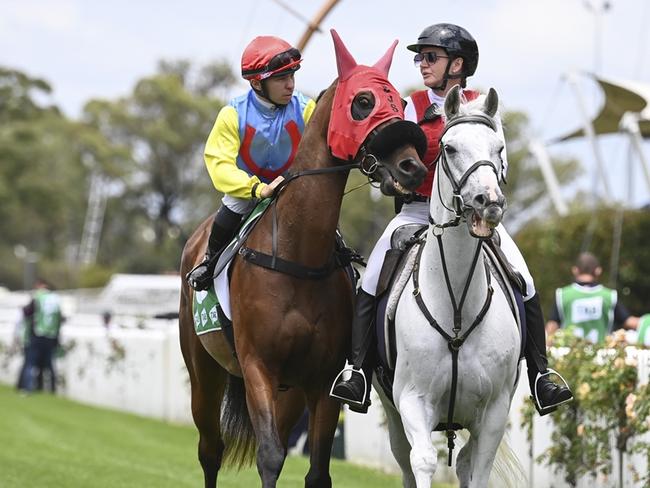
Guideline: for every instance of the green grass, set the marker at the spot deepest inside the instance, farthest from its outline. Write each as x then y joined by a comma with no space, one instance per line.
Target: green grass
52,442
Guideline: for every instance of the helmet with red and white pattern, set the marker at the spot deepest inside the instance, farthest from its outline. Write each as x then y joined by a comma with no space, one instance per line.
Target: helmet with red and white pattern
267,56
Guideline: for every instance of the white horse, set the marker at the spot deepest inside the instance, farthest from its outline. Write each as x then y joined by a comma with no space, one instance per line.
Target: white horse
449,312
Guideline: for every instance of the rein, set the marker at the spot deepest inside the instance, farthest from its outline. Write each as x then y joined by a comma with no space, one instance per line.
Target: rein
455,341
340,258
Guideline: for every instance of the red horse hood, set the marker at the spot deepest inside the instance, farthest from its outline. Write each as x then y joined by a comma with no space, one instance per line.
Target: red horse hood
346,135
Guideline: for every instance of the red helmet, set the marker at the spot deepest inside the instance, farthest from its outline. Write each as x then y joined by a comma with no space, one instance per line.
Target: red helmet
268,56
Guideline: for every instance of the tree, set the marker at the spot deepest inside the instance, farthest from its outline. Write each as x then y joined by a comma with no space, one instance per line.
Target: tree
165,190
41,176
551,246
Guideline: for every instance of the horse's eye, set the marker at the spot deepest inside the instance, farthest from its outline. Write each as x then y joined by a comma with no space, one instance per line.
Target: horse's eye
362,105
450,149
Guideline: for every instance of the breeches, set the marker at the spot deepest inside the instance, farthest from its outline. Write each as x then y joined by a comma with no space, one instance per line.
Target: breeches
418,213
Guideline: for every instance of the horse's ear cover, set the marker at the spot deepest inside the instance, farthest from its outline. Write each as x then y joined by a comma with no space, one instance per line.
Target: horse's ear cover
345,63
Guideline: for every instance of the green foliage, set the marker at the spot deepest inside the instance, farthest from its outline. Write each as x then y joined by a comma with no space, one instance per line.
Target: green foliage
551,247
608,404
164,190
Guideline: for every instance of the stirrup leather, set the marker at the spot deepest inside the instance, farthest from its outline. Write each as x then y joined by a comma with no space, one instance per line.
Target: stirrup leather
550,408
348,400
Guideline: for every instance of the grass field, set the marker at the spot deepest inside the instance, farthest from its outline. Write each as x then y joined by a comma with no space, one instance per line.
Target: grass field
51,442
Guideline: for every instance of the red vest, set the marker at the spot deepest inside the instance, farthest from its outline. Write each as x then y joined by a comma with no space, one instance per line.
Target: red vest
433,130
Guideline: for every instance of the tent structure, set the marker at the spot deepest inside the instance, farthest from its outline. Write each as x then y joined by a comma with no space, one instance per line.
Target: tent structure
621,98
626,110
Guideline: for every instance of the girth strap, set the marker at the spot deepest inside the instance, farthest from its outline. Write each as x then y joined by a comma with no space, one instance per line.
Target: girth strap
339,259
456,341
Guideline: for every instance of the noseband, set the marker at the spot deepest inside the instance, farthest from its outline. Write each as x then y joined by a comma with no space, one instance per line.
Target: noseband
457,185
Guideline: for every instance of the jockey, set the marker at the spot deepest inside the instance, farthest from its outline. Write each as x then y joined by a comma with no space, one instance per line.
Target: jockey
253,142
446,55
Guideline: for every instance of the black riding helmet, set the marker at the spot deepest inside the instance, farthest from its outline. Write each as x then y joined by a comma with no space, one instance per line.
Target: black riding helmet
453,39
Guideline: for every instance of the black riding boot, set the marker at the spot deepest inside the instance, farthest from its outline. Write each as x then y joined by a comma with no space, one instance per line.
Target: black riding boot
225,224
546,394
356,390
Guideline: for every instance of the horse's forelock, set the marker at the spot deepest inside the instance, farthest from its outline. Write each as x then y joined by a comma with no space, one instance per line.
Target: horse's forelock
473,107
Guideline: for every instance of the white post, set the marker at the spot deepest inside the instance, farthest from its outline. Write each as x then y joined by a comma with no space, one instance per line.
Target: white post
630,124
540,154
591,135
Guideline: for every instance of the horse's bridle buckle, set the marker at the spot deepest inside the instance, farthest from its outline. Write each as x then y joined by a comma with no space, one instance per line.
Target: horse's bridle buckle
455,344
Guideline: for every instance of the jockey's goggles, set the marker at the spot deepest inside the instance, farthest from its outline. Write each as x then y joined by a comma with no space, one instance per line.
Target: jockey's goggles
288,60
430,58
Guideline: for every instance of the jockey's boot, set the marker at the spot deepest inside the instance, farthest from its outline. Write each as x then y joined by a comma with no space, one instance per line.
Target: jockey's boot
225,224
355,391
547,395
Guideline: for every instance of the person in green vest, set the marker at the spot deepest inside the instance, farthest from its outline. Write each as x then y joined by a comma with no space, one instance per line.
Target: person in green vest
43,320
589,309
643,336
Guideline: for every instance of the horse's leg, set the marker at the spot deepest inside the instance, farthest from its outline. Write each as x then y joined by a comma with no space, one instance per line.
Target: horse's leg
261,394
207,381
419,418
323,419
399,444
488,435
464,462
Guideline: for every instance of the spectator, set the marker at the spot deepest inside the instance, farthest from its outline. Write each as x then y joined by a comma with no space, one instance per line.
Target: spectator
588,308
43,320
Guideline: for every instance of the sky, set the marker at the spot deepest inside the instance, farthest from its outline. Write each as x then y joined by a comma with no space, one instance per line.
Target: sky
95,49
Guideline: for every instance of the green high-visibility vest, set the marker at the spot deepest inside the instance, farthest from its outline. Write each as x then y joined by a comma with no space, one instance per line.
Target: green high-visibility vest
644,330
47,314
587,310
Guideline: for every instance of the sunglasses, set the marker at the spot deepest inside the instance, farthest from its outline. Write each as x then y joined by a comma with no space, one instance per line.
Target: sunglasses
430,58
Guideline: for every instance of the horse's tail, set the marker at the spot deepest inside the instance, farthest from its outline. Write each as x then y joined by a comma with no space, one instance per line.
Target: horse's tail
236,427
507,471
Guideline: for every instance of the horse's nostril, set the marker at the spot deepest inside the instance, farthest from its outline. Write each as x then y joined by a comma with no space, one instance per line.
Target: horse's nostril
407,165
480,200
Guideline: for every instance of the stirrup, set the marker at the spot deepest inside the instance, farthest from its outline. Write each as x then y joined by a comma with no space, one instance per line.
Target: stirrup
550,408
204,283
349,401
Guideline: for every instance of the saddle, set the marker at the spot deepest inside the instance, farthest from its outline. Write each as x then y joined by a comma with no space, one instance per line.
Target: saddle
396,272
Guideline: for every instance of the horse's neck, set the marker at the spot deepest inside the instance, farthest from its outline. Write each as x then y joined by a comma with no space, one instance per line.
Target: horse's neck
310,205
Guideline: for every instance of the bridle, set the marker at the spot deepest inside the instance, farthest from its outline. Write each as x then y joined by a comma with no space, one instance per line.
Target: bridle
459,206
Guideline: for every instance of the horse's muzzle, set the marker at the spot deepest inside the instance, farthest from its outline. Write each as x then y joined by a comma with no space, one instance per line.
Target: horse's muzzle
410,173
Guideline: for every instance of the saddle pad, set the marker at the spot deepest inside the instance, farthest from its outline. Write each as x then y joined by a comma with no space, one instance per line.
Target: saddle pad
204,309
387,304
241,236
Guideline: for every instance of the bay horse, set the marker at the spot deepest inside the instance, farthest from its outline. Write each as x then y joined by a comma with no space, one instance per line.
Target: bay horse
293,333
457,340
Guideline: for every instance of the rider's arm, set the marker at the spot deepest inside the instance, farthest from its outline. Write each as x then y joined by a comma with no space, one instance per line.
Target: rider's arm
220,156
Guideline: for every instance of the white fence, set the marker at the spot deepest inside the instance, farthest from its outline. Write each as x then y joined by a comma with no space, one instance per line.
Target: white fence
137,367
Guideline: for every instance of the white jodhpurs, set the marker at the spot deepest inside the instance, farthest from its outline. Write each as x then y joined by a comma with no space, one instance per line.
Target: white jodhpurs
418,213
